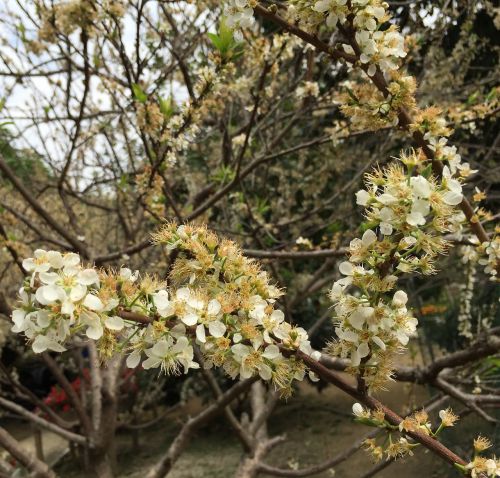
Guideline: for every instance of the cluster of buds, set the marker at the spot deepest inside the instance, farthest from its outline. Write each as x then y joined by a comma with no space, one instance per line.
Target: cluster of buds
368,109
219,301
480,465
67,17
392,448
417,422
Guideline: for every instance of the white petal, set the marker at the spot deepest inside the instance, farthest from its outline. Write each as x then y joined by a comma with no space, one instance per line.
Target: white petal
200,333
49,277
357,409
93,302
346,268
400,298
94,332
183,293
55,259
114,323
363,349
71,259
277,316
377,340
88,277
271,352
190,319
452,198
160,349
369,237
213,307
265,372
133,359
48,294
77,292
216,329
40,344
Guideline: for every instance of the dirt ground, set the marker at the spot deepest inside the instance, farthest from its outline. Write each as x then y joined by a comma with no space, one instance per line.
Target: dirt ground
318,425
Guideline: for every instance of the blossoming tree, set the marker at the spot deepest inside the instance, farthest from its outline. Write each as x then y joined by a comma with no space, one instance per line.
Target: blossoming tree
147,120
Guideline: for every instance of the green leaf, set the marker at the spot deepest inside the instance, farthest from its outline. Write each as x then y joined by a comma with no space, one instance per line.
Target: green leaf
167,106
216,41
225,43
139,93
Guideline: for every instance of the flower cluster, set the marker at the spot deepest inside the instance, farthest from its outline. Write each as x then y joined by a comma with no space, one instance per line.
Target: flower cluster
239,15
407,211
220,302
466,296
376,47
491,259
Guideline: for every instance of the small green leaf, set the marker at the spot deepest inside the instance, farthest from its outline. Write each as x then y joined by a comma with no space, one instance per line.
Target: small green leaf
167,106
225,43
216,41
139,93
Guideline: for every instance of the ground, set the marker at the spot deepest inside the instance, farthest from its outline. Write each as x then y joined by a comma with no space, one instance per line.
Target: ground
318,425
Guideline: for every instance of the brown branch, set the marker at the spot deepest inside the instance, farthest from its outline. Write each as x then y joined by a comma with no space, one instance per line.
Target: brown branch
40,210
34,399
467,399
294,255
41,422
392,417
